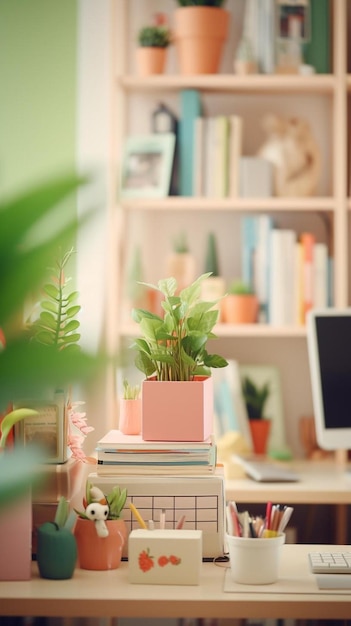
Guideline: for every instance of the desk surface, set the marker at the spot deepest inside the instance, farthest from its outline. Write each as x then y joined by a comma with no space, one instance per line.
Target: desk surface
322,482
107,594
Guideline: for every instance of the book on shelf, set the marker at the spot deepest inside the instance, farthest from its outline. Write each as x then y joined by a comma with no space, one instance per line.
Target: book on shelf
308,241
264,226
119,453
317,50
114,440
282,295
190,107
235,147
113,469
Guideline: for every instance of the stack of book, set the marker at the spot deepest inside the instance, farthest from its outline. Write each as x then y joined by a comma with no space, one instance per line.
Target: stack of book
121,454
290,272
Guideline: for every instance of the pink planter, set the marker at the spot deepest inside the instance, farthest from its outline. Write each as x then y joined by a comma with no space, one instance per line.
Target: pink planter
130,416
177,411
16,540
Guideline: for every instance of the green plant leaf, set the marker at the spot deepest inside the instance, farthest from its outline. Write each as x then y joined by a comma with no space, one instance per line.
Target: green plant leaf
11,419
51,291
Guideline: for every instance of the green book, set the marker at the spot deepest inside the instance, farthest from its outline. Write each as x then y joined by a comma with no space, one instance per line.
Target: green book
317,50
190,107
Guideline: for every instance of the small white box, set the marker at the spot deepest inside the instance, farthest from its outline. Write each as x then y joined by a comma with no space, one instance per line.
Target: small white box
165,557
256,178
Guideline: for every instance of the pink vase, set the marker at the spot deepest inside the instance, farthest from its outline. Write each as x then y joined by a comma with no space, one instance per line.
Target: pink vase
130,416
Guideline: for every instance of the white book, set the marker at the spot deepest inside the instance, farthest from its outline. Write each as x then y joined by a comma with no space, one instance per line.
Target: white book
264,225
256,177
282,277
320,275
209,141
234,154
267,36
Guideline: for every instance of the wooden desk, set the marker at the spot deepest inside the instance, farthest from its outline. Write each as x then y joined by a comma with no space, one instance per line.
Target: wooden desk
109,594
322,482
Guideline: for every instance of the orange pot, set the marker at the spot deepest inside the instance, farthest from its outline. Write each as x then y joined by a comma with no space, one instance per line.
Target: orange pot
239,309
260,430
150,60
200,33
100,553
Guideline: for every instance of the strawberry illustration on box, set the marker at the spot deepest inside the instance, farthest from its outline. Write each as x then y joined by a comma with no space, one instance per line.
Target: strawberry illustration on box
165,557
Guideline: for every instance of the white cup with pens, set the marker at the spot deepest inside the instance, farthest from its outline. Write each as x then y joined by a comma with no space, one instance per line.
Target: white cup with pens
255,561
255,545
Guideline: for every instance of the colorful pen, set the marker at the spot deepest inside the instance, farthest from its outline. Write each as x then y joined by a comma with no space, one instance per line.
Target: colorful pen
137,515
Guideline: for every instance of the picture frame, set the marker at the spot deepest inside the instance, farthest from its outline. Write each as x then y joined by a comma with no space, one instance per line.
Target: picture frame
47,429
261,374
229,406
147,165
293,15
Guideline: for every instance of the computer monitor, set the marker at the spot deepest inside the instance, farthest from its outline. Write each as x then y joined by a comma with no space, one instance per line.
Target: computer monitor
329,351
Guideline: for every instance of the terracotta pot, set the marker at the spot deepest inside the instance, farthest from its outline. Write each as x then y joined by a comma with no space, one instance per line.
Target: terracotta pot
200,33
260,430
177,411
130,416
150,60
100,553
239,309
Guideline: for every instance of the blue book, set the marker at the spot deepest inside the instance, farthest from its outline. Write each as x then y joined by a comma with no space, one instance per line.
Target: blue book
249,235
190,109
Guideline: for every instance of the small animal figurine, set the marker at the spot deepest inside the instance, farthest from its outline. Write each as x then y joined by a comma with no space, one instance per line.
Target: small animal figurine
98,511
292,149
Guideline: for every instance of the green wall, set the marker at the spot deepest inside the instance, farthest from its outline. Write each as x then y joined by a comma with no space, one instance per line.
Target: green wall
38,64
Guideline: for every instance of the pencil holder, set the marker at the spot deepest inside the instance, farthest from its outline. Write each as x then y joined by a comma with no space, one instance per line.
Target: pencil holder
165,557
255,561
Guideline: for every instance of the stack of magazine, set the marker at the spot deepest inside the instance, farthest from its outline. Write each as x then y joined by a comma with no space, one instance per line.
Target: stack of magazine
118,453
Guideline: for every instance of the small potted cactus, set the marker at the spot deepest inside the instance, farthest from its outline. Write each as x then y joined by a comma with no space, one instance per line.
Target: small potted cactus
240,305
153,42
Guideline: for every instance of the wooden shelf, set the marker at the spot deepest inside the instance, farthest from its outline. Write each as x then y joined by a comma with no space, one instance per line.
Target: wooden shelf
318,83
313,204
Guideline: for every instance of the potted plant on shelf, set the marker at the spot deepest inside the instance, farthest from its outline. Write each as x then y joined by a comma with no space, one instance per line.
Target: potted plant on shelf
181,263
130,409
100,531
255,398
240,304
177,394
153,42
200,30
213,288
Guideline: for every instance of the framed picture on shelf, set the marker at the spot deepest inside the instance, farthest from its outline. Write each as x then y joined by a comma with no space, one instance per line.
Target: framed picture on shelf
48,428
260,375
293,20
147,165
229,406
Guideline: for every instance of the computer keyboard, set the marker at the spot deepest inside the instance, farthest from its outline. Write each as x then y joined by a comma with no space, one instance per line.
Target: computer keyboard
263,470
330,562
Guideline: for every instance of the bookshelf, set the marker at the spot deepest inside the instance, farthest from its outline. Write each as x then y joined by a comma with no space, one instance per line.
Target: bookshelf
322,99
